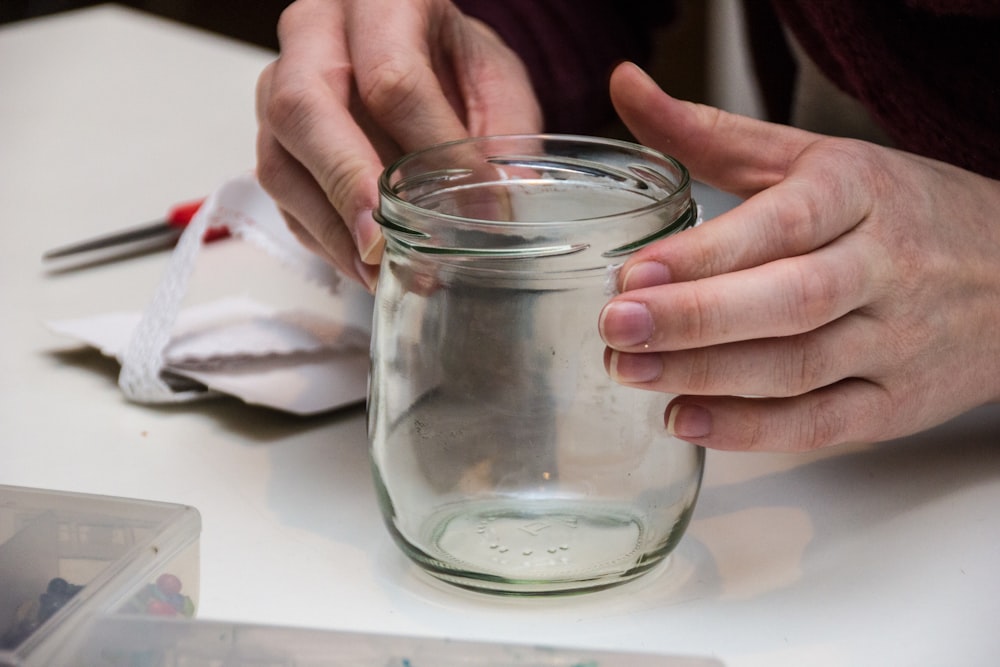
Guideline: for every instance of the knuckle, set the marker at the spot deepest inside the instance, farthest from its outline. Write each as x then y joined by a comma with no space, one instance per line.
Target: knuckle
341,179
390,87
798,212
909,339
289,107
333,237
822,426
829,169
262,91
287,17
853,152
293,16
821,295
699,323
755,436
269,168
813,295
804,366
297,101
697,374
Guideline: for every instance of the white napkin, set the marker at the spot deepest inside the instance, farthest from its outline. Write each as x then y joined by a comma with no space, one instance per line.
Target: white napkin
298,361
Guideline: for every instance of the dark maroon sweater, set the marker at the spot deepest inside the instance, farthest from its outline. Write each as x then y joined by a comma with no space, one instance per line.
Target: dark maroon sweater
928,71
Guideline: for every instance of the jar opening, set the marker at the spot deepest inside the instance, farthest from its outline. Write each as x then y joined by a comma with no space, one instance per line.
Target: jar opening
522,194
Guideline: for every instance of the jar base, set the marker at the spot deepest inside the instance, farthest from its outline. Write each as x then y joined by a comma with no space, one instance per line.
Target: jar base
534,548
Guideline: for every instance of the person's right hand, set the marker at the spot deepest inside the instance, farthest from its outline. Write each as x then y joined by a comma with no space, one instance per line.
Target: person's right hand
359,83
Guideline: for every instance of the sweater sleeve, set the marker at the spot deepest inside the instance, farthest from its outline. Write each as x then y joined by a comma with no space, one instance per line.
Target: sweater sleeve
570,48
928,71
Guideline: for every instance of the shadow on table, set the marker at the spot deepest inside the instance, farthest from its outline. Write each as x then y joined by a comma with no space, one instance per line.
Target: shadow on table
802,524
252,423
823,512
316,461
867,485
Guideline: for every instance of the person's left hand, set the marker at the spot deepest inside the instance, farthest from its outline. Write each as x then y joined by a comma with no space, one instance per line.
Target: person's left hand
854,295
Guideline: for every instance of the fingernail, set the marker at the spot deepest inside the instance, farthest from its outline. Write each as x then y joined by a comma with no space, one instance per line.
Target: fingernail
625,323
689,421
635,368
368,238
367,273
645,274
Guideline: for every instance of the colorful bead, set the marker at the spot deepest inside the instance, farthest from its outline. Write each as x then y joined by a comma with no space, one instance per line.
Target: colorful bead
168,584
160,608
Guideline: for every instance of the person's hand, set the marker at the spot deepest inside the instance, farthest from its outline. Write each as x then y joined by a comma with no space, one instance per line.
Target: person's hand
854,295
360,82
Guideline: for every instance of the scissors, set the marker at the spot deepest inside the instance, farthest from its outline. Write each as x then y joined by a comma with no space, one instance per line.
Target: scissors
151,236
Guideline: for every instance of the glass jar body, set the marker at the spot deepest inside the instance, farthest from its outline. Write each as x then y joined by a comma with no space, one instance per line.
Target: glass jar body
505,458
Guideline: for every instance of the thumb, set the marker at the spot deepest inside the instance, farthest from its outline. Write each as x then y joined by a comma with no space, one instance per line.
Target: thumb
730,152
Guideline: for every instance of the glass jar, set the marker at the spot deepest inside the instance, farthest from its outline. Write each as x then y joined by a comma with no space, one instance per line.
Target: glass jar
505,458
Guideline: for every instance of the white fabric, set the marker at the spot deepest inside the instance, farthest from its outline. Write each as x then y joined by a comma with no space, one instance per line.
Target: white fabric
243,207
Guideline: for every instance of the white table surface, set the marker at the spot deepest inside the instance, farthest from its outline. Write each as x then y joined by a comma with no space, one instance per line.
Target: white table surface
878,555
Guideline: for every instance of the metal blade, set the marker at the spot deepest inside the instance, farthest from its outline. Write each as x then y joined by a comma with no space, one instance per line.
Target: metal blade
141,235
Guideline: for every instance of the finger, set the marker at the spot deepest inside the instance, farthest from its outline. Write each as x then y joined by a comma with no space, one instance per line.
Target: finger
288,182
341,254
822,196
733,153
297,194
496,88
305,238
308,112
396,78
775,367
302,199
782,298
263,92
850,411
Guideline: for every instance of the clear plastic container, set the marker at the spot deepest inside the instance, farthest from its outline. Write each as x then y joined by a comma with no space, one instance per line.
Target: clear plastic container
122,562
117,641
67,556
506,459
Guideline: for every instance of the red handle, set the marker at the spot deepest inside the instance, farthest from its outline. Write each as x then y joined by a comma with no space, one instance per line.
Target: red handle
181,215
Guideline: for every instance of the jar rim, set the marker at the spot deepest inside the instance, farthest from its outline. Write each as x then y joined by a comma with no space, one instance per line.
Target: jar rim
679,190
